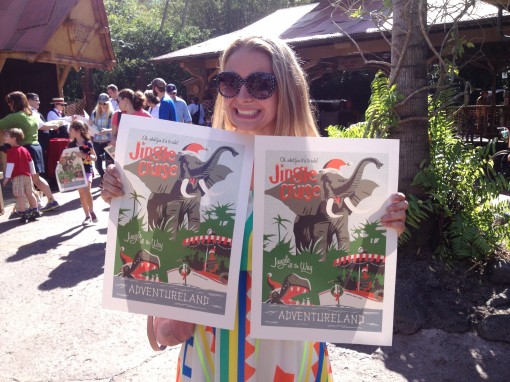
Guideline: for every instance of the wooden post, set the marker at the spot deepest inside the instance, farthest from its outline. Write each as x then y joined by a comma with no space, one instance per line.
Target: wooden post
141,82
88,90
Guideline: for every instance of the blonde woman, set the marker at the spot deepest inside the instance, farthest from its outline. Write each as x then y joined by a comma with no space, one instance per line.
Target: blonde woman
101,128
262,90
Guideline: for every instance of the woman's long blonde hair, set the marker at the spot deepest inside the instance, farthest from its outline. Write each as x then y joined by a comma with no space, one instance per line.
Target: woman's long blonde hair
294,115
98,110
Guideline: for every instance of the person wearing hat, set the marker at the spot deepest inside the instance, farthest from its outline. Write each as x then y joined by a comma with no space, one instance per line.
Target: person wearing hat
57,113
181,107
58,109
101,128
166,105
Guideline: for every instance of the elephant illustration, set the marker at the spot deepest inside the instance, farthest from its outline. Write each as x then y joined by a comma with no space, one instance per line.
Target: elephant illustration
177,198
321,219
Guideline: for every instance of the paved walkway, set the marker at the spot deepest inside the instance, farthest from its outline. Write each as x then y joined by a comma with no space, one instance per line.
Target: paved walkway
53,327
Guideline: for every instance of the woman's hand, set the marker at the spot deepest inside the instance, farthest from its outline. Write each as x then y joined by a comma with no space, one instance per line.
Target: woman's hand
112,186
172,332
395,216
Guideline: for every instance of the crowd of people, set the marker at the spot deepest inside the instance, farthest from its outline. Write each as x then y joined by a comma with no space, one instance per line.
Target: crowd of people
27,135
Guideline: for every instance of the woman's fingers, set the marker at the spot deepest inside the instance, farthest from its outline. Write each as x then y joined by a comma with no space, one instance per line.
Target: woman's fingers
112,186
395,216
172,332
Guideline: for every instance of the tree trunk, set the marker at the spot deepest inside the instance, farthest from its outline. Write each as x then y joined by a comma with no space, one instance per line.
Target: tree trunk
409,72
165,15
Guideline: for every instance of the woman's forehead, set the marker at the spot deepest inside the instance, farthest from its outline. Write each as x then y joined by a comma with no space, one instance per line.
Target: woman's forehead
245,61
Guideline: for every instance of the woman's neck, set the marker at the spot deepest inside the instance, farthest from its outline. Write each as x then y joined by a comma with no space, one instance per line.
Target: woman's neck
129,109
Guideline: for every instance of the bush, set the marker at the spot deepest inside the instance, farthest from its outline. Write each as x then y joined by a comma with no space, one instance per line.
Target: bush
461,185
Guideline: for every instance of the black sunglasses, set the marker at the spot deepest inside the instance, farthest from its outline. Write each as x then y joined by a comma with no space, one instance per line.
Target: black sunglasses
102,103
260,85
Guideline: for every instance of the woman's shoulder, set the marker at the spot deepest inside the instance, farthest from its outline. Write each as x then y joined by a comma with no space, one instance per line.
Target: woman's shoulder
143,113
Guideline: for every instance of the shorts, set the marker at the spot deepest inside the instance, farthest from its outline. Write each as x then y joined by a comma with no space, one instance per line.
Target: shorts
37,157
22,185
88,177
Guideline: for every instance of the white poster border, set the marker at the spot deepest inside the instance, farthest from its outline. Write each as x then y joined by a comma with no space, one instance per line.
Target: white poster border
133,125
344,148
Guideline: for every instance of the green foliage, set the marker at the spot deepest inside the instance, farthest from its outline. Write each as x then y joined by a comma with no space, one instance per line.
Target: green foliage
379,116
462,186
141,30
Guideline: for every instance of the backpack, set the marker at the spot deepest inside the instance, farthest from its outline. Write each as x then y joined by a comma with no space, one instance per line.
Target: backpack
195,117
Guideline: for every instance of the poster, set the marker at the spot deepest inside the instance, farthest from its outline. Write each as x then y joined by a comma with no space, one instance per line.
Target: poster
323,265
170,249
71,174
110,150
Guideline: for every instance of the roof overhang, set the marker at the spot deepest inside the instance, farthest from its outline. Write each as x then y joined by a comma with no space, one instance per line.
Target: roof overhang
71,33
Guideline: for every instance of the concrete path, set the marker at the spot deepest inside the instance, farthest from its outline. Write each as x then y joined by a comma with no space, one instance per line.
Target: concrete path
53,328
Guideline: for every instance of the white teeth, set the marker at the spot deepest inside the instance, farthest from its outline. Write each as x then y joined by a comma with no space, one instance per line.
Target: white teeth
247,112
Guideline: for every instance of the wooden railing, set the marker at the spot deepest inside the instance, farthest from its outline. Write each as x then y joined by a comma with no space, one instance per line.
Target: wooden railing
481,122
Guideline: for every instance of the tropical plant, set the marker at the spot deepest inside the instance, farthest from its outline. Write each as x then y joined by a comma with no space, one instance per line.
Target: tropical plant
136,199
379,116
462,187
280,223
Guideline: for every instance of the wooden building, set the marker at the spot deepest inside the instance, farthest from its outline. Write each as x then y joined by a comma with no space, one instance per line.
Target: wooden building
328,40
43,40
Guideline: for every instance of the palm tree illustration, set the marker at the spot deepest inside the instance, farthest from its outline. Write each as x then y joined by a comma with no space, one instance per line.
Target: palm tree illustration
267,240
208,212
224,214
280,222
136,196
122,212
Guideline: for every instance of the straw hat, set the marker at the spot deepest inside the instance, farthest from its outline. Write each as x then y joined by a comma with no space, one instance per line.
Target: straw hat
58,101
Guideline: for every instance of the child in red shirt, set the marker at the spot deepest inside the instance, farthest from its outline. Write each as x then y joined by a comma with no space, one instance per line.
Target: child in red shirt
19,169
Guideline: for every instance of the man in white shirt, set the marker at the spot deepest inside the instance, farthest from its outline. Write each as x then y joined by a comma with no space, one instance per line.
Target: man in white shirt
113,92
181,107
43,135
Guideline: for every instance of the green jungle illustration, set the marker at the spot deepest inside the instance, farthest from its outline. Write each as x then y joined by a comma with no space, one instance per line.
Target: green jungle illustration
170,235
312,260
71,170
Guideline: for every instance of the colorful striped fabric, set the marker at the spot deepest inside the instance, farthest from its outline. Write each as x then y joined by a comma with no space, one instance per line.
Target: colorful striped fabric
232,356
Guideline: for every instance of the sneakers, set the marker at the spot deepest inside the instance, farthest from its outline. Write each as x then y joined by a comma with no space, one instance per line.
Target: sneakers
87,221
29,215
93,217
14,214
50,206
25,217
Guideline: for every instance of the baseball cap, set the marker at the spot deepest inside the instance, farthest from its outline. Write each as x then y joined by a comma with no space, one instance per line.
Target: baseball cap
159,82
171,88
103,98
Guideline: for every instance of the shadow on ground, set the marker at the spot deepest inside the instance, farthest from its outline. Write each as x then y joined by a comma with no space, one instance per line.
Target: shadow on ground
434,355
49,243
83,263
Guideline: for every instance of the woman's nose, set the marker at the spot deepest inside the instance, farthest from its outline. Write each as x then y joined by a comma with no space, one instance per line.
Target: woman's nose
243,93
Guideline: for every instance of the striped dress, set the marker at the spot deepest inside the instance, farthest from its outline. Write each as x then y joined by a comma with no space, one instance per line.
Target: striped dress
232,356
